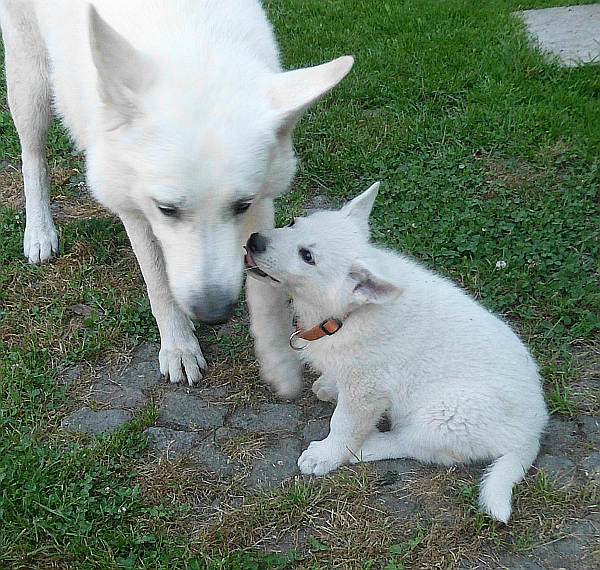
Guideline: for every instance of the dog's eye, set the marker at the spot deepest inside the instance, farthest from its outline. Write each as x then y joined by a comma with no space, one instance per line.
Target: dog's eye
306,256
169,211
241,207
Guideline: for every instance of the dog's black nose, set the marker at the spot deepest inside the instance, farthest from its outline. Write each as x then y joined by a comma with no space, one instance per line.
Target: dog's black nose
257,243
214,308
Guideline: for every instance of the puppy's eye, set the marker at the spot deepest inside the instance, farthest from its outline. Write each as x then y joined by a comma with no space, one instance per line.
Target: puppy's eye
306,256
241,207
169,211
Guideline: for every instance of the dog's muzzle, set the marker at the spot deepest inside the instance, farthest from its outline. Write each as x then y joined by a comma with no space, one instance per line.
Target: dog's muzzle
214,307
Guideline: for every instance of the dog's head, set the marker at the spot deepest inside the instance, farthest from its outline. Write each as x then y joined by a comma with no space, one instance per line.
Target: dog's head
324,259
199,150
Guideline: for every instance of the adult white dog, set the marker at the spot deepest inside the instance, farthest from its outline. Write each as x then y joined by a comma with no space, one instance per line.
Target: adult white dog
388,335
185,118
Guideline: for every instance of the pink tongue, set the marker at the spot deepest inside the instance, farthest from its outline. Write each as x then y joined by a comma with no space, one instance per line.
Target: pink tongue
249,260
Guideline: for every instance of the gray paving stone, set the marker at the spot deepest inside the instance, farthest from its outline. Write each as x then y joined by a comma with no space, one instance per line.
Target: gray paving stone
519,563
394,468
118,396
142,372
560,437
269,418
213,394
567,553
225,433
187,411
280,462
572,33
317,409
591,427
171,443
559,469
212,459
591,467
316,430
96,422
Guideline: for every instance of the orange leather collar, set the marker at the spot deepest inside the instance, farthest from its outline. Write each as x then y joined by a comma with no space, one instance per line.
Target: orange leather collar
327,328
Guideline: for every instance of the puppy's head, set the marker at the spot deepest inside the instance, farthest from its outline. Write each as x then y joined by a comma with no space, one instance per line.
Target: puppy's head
323,259
198,145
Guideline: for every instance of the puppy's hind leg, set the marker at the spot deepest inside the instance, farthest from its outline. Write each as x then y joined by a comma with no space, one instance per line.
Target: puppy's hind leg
404,443
29,102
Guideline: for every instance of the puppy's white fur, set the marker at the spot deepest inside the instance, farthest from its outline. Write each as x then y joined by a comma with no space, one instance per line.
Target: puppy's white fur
456,381
176,103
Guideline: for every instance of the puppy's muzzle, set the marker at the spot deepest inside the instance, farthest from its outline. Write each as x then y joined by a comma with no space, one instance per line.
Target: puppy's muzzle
257,243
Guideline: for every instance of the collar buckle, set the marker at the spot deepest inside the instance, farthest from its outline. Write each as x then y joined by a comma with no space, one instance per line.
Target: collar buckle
327,328
329,331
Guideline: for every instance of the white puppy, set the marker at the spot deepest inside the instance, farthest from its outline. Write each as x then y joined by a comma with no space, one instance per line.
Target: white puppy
387,335
185,117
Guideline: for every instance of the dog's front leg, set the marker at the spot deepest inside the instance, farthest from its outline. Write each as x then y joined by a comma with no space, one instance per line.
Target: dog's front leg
271,324
180,355
354,418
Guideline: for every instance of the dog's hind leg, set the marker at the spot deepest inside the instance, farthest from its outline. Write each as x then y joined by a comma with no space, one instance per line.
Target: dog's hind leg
29,102
271,324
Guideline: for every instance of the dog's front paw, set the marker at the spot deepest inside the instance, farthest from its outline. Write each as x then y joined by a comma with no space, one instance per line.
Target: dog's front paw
320,458
182,358
325,389
40,242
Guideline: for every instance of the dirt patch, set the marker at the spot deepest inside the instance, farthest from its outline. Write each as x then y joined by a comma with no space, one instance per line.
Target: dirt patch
513,174
585,389
70,198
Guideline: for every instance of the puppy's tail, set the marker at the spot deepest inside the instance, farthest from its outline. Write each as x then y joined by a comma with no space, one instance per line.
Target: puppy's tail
497,483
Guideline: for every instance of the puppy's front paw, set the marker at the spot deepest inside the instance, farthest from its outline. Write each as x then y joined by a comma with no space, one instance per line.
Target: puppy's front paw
180,357
283,373
325,389
320,458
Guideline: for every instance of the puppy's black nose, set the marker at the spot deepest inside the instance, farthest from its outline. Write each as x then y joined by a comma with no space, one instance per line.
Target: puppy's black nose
257,243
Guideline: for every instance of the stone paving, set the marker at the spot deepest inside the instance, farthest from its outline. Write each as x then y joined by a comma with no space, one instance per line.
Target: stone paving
261,441
572,33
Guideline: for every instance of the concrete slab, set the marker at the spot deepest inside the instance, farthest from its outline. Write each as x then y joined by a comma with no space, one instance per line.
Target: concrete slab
572,33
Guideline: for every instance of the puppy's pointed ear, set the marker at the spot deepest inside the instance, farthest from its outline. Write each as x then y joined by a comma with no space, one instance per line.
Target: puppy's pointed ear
371,287
122,71
292,92
360,208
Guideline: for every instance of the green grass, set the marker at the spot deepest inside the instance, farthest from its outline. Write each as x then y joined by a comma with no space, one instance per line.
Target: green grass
487,153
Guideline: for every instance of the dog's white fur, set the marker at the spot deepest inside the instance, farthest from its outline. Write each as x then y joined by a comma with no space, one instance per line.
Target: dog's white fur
456,381
179,104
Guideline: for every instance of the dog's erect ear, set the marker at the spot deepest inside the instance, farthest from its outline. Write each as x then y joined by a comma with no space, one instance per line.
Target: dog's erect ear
360,208
292,92
370,287
122,71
